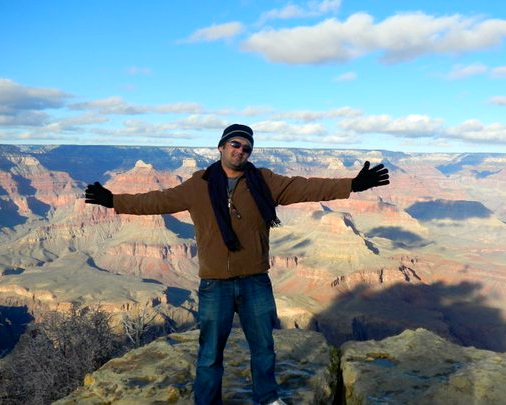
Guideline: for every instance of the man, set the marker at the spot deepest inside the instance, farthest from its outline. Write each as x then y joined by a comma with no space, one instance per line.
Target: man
232,205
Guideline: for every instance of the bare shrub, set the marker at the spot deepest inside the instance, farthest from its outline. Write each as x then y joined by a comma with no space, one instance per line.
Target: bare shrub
143,325
55,354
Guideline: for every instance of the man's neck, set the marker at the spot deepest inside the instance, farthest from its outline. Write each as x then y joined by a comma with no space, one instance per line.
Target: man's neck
231,173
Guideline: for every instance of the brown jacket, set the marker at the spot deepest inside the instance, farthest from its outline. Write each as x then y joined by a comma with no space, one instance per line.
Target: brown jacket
215,260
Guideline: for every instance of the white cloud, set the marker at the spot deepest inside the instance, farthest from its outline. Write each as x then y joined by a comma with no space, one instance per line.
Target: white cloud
201,122
309,9
14,96
300,115
498,100
346,77
22,105
286,131
398,38
43,137
253,111
145,128
414,127
110,105
185,128
134,130
287,12
313,133
249,111
318,115
179,108
26,115
117,106
325,6
216,32
410,126
63,126
23,118
75,122
302,45
344,112
475,131
499,72
460,72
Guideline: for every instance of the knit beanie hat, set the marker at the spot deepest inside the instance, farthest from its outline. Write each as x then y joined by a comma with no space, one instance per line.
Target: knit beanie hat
237,131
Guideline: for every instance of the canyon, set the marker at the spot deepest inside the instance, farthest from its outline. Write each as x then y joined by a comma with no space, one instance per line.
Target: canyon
428,251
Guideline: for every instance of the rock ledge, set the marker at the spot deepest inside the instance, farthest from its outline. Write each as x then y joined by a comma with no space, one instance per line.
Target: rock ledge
164,370
419,367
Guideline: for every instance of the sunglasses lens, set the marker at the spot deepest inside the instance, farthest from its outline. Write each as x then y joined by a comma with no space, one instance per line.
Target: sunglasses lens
238,145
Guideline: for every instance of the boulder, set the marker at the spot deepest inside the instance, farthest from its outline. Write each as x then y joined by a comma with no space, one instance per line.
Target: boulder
419,367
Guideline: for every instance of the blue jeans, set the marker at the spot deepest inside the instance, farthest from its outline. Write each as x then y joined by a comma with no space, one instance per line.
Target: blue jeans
251,297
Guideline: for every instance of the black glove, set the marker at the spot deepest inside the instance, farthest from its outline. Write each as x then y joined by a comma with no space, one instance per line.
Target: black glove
96,194
368,178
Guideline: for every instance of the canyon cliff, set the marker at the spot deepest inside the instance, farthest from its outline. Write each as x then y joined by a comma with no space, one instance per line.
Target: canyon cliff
426,251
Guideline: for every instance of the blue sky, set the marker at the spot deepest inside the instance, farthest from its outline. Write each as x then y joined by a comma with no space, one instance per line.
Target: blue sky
417,76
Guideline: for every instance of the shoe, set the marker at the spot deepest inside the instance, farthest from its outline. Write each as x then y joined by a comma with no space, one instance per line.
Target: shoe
278,401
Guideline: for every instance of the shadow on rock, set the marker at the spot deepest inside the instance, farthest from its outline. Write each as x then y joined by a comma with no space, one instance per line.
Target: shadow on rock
13,323
456,312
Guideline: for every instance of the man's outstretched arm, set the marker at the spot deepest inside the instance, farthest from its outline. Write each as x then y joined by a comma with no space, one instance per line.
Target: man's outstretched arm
97,194
289,190
156,202
368,178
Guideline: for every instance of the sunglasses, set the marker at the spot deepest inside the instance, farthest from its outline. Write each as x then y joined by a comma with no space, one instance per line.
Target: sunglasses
237,145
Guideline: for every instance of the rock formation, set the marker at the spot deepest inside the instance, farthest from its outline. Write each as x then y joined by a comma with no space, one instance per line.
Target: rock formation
414,367
164,370
419,367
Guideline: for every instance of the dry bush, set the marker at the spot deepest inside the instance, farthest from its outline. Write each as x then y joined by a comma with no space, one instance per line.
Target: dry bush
52,358
143,325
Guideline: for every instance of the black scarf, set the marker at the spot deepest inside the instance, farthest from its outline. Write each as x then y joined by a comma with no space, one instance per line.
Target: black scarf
218,192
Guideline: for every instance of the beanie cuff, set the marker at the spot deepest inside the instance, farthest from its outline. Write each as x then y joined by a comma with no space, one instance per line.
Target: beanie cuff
237,131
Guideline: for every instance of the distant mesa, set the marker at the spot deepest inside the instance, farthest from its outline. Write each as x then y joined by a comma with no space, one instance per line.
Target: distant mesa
140,164
189,163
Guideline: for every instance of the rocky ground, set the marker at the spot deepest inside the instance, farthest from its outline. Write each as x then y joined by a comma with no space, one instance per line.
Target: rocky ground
164,371
420,368
415,367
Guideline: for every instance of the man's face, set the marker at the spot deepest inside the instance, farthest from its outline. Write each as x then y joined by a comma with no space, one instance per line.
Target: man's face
235,153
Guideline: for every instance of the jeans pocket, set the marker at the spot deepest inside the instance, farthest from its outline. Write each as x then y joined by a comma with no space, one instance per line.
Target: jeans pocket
206,285
262,279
